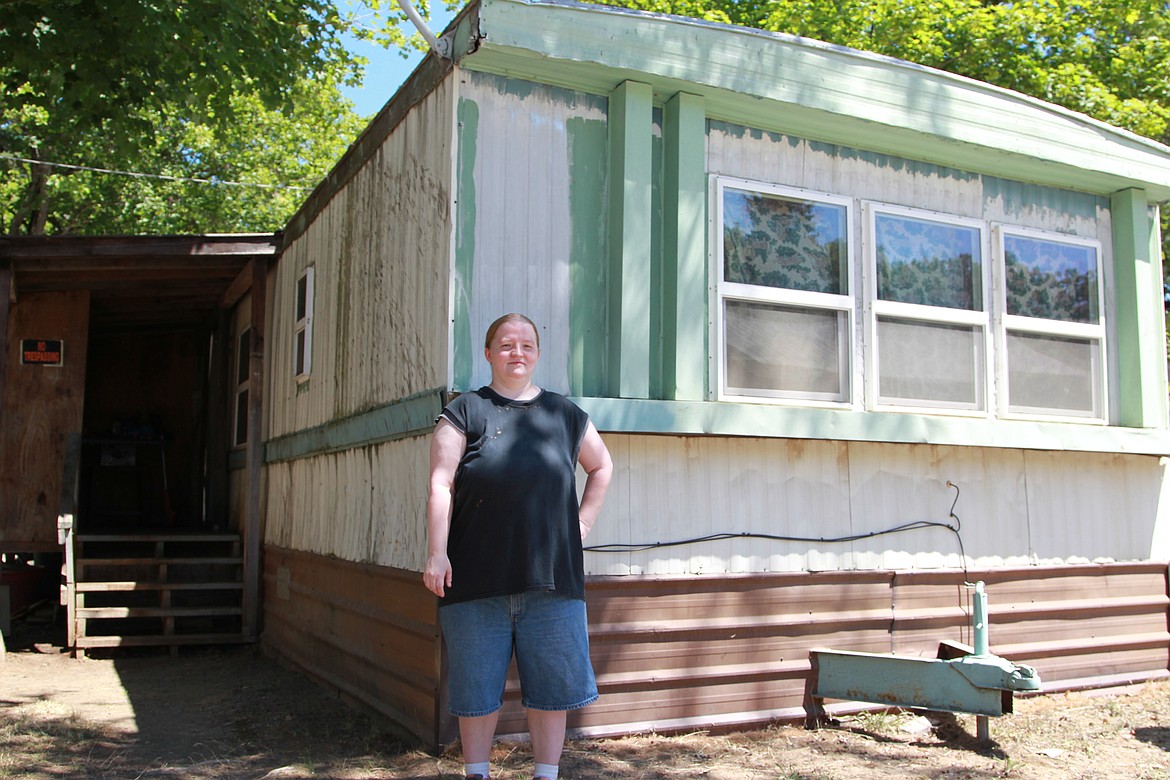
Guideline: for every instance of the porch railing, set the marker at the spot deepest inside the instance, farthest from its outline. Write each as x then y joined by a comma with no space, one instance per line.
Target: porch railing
66,519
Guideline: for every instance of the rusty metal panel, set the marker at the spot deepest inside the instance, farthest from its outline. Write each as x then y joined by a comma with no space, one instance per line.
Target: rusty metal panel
678,653
369,632
1073,623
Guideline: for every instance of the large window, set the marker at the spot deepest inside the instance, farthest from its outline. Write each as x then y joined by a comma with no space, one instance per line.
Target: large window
1053,331
924,329
785,294
929,325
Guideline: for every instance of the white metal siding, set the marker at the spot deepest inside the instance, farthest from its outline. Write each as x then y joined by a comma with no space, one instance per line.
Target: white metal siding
1015,508
378,516
381,252
793,162
522,219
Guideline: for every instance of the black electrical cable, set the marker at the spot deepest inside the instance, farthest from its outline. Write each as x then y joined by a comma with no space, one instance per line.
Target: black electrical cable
914,525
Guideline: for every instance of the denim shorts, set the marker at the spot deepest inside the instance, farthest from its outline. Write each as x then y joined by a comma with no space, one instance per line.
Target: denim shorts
550,637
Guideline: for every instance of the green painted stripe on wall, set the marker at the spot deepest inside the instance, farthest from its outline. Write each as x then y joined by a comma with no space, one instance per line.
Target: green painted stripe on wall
686,418
462,343
684,238
1140,343
631,245
588,254
411,416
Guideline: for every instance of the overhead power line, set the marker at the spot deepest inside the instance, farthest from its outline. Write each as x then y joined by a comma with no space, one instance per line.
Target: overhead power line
215,182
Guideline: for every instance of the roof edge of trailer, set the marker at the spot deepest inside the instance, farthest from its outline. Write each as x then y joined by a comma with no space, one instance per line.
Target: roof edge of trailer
797,86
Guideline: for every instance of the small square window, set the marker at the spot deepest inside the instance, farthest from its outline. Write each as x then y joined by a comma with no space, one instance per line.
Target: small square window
930,363
242,385
1053,374
784,351
303,326
788,243
1050,280
928,262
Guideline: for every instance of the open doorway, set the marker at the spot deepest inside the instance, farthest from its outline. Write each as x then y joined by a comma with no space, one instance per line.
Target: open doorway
143,435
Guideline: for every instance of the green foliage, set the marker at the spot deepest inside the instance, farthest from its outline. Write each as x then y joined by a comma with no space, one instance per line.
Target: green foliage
282,154
228,90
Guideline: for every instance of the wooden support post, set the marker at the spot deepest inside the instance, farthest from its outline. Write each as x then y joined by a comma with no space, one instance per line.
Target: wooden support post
814,707
5,288
253,520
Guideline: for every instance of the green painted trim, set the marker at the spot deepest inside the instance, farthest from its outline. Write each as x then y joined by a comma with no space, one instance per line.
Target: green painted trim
462,343
819,91
684,249
411,416
588,254
685,418
1134,291
630,236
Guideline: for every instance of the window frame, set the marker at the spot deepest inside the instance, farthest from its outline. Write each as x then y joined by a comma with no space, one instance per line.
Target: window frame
876,309
302,336
241,388
845,303
1016,323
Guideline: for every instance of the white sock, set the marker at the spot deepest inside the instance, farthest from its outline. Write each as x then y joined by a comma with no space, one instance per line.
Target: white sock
547,770
477,769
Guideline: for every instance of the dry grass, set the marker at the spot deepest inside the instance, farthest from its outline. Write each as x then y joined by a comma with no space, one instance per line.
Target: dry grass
249,719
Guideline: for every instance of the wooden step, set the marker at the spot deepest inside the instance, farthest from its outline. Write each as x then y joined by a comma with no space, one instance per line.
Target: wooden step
171,640
97,613
162,537
236,560
123,587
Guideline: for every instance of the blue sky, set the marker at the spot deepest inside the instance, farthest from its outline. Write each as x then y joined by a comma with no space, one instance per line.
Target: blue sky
387,69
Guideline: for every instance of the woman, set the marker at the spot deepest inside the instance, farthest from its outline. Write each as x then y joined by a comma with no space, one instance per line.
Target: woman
505,532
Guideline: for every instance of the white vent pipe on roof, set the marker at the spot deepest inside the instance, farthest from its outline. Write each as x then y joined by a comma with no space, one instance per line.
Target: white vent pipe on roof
438,46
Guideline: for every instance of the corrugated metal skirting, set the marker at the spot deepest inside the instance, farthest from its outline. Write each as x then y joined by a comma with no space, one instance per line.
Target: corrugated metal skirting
721,651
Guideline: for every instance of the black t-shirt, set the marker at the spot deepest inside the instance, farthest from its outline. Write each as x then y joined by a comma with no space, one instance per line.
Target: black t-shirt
514,522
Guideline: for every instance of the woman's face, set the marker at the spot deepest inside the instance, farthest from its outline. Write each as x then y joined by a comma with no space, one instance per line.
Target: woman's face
513,352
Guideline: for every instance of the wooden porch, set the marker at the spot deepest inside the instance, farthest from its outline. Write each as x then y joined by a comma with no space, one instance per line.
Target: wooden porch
135,456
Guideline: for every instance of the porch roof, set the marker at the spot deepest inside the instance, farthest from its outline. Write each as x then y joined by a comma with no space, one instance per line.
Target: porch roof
138,281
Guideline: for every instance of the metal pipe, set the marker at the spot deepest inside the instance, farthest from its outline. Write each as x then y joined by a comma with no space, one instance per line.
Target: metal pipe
979,620
421,25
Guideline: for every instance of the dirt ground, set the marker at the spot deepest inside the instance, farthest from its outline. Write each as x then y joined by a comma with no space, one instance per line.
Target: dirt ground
232,713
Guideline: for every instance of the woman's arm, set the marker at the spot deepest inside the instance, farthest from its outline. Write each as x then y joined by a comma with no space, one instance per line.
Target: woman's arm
447,446
594,459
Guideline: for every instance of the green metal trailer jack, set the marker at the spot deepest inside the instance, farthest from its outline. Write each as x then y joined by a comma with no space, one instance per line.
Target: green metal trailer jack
961,679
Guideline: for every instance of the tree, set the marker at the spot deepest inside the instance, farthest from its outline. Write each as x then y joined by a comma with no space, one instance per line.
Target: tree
246,174
229,90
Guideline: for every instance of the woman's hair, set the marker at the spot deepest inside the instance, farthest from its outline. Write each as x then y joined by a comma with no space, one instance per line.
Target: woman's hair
513,317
